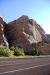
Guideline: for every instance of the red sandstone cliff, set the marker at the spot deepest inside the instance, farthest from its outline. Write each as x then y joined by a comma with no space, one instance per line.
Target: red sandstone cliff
3,39
25,33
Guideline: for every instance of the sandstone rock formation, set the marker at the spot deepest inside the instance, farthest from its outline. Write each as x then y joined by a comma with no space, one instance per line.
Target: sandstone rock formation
3,39
24,32
44,48
48,37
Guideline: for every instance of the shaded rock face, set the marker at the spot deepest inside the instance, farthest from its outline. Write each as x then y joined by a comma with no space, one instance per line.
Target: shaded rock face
24,32
48,37
3,39
1,30
44,48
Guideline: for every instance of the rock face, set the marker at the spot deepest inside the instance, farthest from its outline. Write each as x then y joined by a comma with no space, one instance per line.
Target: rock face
24,32
1,30
44,48
3,39
48,37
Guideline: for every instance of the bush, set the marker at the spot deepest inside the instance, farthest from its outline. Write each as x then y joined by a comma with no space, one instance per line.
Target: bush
18,51
4,51
35,52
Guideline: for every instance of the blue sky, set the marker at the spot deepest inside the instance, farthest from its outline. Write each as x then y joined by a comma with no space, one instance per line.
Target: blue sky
38,10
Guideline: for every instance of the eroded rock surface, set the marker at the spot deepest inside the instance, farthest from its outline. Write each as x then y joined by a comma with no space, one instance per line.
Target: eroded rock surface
3,39
24,32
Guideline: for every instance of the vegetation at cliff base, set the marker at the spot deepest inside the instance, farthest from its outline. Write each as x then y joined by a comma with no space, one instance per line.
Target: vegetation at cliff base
16,51
35,52
4,51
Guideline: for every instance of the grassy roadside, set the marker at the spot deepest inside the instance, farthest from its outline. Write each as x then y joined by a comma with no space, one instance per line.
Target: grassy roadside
24,57
16,52
3,57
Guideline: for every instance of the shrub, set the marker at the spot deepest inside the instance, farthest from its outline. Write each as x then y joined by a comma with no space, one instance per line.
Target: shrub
19,51
35,52
4,51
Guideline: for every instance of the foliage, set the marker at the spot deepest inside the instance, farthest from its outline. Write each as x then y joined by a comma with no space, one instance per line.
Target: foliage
35,52
5,51
18,51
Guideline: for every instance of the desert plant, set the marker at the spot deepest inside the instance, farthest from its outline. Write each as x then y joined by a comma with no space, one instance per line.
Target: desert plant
19,51
5,51
35,52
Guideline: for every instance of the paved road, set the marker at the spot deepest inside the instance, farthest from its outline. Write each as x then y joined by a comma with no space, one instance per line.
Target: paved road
26,66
